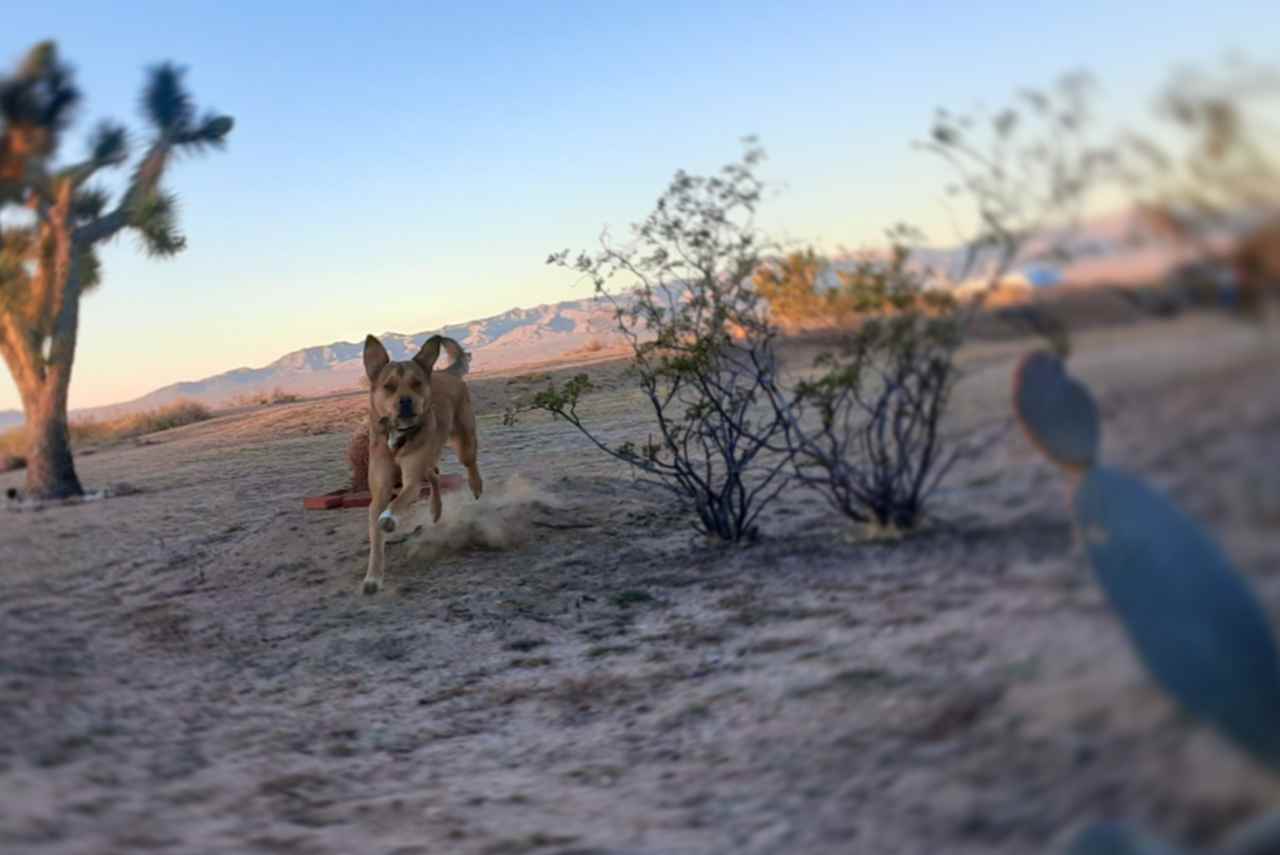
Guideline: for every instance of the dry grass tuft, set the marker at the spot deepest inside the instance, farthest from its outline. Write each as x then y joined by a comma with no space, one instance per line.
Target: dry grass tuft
90,432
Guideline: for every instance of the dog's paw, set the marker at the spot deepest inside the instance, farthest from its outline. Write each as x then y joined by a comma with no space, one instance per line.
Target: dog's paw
371,585
387,521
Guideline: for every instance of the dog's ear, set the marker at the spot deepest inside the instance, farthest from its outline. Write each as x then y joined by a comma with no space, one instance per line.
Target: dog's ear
429,354
375,357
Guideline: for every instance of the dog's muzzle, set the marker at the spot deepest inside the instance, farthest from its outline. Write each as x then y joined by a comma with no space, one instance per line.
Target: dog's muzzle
405,411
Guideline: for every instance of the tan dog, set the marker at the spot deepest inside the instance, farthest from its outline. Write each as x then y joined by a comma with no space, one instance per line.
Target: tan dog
413,411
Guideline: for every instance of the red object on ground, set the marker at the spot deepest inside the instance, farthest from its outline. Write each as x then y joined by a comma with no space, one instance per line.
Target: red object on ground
361,499
323,503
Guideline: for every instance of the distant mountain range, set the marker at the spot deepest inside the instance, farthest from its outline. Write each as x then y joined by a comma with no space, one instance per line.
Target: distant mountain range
1101,251
513,338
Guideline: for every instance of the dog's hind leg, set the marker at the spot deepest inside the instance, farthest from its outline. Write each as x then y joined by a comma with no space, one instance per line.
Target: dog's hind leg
382,479
437,507
464,444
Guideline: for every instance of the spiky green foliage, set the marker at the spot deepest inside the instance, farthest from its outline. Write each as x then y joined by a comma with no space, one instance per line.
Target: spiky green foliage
42,93
36,105
109,143
1056,411
1197,626
165,101
155,217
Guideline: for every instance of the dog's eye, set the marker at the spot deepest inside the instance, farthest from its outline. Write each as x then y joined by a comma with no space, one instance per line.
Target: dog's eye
389,388
415,385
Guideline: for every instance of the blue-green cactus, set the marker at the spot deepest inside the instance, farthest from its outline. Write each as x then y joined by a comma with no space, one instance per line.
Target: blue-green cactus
1113,838
1198,628
1196,625
1057,412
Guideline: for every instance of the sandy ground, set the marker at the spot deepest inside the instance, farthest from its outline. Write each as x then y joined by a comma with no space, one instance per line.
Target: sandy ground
564,668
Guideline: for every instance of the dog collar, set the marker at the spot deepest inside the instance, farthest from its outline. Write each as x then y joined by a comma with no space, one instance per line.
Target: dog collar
396,439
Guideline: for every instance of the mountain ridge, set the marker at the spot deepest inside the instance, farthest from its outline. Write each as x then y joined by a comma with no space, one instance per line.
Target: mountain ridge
521,335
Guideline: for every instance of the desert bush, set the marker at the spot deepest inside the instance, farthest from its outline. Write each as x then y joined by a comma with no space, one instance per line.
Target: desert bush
865,432
98,432
265,399
1024,176
280,396
703,350
1216,172
790,286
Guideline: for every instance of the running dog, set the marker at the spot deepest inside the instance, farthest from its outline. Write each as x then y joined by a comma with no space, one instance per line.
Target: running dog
413,411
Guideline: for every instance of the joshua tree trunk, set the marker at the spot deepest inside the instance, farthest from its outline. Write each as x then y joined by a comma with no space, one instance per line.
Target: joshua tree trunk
51,472
42,369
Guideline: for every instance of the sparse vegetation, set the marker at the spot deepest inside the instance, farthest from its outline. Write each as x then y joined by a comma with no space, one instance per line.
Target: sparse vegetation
797,296
93,432
866,431
1224,176
267,399
702,349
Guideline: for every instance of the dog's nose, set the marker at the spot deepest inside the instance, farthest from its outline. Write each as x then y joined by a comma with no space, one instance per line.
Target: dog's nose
406,406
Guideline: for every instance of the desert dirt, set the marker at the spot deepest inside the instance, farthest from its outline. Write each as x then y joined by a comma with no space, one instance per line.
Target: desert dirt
565,667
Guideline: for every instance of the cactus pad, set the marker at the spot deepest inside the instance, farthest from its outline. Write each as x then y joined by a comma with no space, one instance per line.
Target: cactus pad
1111,838
1192,618
1057,412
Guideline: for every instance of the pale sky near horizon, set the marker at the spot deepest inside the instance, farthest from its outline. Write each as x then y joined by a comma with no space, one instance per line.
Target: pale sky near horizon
402,166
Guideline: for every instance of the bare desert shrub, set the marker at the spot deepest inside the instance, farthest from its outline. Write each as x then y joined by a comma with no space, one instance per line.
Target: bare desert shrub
1216,173
865,432
703,349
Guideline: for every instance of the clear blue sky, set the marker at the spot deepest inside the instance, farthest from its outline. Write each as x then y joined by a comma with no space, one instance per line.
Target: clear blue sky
397,166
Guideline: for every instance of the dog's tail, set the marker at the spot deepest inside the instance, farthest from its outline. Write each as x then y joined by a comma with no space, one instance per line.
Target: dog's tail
459,359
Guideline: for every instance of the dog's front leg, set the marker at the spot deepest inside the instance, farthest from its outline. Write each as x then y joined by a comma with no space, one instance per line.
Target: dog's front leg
382,479
389,519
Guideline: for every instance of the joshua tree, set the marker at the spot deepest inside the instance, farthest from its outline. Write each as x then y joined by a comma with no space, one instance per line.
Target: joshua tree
48,257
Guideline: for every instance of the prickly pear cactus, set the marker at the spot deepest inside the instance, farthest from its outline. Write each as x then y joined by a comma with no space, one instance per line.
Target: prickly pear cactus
1113,838
1192,618
1056,411
1197,627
